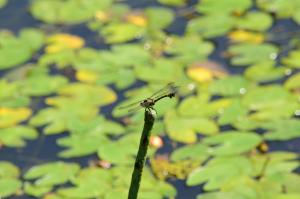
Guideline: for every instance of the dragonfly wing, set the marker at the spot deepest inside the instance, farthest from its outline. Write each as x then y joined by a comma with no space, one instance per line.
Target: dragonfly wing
166,89
132,110
131,104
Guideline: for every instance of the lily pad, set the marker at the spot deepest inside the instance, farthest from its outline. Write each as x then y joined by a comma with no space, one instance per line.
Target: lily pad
2,3
264,72
292,60
184,129
51,174
9,184
223,6
213,172
69,12
17,50
12,116
211,25
282,129
232,143
16,136
244,54
189,49
293,83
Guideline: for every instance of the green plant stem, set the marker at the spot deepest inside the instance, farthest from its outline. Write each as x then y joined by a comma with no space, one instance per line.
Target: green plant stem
141,155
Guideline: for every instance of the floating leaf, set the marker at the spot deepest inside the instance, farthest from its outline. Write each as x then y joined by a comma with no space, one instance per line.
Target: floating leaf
36,190
51,174
9,187
292,60
213,172
211,25
17,50
264,71
282,129
244,54
184,129
60,42
232,143
246,36
2,3
193,152
189,49
257,21
69,12
15,136
223,6
293,83
230,86
8,170
12,116
162,70
233,113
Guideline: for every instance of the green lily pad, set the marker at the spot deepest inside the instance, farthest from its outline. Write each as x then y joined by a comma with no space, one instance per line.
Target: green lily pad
264,72
266,100
244,54
8,170
11,96
16,136
233,113
184,129
64,113
17,50
97,182
81,145
118,33
223,6
189,49
282,129
69,12
194,152
211,25
9,187
257,21
293,83
162,70
232,143
230,86
200,106
121,151
292,60
2,3
219,171
282,8
36,190
51,174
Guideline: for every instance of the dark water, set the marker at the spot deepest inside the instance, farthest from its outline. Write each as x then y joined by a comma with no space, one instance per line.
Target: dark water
15,16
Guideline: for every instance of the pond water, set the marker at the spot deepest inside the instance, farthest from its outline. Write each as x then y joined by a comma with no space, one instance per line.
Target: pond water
264,116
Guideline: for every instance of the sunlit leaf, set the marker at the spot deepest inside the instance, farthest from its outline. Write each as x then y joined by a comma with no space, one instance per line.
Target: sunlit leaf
12,116
8,170
246,36
257,21
9,187
282,129
36,190
2,3
60,42
292,60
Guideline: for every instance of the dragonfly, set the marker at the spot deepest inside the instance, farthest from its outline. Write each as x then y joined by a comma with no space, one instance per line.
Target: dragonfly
168,91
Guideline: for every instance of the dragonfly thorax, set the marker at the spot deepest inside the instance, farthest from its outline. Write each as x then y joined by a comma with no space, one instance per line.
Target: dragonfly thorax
147,103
